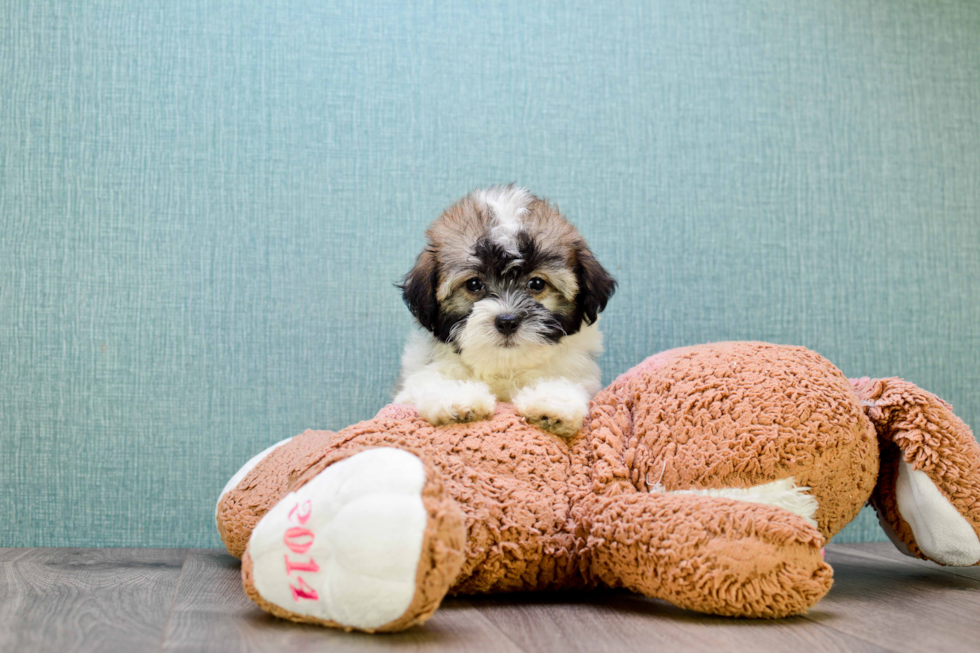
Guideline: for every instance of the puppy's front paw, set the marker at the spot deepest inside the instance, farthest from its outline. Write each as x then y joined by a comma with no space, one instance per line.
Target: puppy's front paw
558,406
458,401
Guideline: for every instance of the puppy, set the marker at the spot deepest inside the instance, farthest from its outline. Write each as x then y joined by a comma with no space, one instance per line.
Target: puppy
507,294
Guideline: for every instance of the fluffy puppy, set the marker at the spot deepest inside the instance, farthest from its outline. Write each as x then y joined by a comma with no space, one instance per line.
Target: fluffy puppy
507,294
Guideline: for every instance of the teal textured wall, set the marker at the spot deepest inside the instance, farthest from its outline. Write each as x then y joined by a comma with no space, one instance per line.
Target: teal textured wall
204,206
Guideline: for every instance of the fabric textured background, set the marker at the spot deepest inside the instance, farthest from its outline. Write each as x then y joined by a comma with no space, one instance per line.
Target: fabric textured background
203,207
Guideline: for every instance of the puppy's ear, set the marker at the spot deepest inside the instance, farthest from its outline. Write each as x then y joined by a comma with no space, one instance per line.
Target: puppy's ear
419,289
595,285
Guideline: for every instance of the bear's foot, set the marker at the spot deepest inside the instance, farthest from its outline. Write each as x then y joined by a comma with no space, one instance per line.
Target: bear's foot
940,531
371,542
928,492
710,554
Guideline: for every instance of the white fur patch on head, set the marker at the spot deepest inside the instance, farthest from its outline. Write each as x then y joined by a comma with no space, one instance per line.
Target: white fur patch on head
508,205
784,493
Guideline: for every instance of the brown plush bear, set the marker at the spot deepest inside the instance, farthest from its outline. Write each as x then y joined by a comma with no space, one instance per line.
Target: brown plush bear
708,476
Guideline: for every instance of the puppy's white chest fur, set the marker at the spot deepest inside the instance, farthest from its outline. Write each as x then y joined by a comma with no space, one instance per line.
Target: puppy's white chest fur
550,385
507,371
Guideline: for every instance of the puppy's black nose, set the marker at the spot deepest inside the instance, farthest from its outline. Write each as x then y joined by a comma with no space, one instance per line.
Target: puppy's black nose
507,323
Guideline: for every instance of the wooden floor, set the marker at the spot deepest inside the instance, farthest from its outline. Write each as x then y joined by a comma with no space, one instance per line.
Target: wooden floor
191,600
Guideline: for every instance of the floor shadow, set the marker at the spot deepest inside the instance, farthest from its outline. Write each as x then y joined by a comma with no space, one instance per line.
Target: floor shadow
621,602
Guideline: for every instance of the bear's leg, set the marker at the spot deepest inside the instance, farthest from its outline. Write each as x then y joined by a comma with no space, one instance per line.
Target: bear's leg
928,491
709,554
367,539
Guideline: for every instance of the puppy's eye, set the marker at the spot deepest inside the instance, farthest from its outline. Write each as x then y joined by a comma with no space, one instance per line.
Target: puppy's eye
474,285
535,284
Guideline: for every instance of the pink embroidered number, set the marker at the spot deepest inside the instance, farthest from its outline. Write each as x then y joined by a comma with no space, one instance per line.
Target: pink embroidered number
301,566
299,540
300,513
304,591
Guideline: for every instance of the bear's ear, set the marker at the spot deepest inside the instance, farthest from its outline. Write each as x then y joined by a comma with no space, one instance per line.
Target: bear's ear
419,289
595,285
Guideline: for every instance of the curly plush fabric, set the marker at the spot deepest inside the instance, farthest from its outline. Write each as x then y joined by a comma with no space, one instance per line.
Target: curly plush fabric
661,492
737,415
240,509
921,429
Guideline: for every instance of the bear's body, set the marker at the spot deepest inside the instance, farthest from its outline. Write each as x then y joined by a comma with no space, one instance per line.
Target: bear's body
707,476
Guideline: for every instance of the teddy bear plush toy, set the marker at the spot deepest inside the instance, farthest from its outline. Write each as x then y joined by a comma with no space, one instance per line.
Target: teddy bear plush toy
707,476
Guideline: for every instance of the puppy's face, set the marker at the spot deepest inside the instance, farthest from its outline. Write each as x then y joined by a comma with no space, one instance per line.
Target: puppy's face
503,270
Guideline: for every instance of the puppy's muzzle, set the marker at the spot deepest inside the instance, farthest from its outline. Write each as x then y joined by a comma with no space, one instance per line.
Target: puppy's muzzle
507,323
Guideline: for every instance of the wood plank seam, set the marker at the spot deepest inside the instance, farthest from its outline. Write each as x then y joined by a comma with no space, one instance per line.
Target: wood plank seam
173,602
847,634
497,628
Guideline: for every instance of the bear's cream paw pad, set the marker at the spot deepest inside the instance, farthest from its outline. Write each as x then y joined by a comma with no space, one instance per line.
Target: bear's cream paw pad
941,532
345,547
